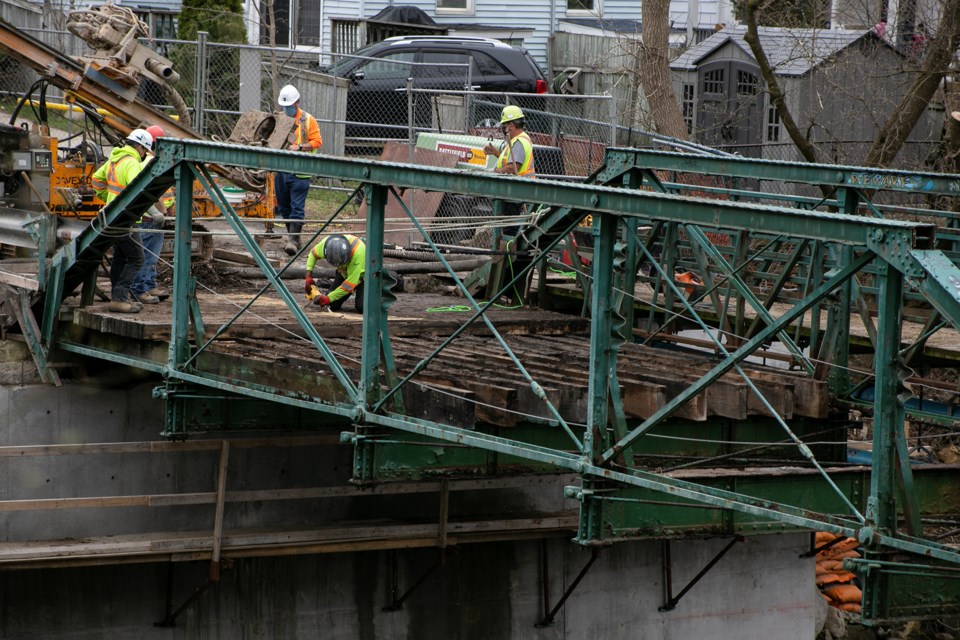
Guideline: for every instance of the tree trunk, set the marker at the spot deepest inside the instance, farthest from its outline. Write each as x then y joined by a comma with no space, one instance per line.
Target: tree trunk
936,63
773,86
655,70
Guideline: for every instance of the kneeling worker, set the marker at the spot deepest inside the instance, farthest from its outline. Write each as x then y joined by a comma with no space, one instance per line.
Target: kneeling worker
348,255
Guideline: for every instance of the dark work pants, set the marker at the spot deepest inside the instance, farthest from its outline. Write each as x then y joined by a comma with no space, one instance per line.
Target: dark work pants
126,263
291,193
357,293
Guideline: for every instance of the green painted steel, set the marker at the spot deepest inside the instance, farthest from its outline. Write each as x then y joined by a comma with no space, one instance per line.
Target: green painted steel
712,213
913,591
264,263
183,280
868,178
616,499
887,429
737,356
603,369
940,281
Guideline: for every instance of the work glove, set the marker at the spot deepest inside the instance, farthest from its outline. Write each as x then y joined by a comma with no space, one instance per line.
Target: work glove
322,300
155,216
308,284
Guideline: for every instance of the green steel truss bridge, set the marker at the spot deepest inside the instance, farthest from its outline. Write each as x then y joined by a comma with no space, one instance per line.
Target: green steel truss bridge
814,277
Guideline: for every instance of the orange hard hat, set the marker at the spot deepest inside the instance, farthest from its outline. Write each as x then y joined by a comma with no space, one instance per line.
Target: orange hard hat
156,131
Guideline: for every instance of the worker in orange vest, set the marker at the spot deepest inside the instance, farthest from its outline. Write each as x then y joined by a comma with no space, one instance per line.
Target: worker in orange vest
291,189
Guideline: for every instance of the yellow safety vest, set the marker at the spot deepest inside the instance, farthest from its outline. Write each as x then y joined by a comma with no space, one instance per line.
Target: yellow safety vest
526,167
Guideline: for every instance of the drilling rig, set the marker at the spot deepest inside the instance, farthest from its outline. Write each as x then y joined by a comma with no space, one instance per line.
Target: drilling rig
44,174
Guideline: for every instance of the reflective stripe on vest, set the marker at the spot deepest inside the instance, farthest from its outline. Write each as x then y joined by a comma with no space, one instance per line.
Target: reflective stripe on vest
526,168
302,131
303,138
113,186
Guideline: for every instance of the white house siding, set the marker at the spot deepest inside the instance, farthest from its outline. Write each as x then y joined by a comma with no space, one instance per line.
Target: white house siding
342,9
708,13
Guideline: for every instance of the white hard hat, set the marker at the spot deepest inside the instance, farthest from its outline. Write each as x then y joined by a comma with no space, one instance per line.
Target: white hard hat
288,96
141,137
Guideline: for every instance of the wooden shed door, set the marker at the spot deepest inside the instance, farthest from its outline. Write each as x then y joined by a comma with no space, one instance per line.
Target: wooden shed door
731,105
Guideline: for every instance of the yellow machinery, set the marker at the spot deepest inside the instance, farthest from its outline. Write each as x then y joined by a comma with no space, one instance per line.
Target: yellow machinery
104,87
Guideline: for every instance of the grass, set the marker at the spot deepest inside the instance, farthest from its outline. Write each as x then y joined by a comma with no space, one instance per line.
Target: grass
323,203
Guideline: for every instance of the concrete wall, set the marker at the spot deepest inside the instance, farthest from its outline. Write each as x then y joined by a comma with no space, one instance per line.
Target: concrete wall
760,589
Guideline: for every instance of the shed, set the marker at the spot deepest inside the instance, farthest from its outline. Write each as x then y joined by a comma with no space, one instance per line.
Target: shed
840,86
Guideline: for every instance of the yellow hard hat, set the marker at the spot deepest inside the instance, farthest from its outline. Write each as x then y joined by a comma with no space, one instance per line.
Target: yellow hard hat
510,113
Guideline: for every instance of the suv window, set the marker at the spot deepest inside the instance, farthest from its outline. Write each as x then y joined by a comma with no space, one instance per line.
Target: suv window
435,65
393,66
487,66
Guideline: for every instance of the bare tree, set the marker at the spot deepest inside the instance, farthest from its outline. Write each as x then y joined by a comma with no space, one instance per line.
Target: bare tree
903,117
752,10
655,70
936,63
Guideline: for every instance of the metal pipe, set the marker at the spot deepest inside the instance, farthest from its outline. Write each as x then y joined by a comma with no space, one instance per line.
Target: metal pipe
163,70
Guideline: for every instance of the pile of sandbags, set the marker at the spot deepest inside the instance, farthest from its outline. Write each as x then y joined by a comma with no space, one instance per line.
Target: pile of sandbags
837,585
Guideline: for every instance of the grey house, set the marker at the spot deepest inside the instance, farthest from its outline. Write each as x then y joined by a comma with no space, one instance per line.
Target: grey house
840,86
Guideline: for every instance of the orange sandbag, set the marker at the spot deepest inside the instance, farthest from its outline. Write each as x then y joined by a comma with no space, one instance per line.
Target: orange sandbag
822,569
823,537
843,554
830,566
853,607
845,593
827,578
844,545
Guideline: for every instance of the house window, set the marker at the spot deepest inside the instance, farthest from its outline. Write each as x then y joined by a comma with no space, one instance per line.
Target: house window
162,25
686,105
773,124
297,23
584,7
747,83
461,7
713,81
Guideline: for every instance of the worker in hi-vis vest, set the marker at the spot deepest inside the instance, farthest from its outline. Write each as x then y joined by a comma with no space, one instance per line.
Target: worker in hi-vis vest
291,189
516,157
108,181
347,254
144,286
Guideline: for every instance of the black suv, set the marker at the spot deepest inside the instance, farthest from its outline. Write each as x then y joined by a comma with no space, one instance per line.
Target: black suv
378,78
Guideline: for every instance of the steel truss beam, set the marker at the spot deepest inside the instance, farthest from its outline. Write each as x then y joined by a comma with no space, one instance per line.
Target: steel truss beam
894,245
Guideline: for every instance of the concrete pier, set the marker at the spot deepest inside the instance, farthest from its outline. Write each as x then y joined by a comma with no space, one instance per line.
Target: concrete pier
485,589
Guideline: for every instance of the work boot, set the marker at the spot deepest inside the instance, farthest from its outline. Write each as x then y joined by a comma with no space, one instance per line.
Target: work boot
293,239
160,293
268,230
146,298
123,306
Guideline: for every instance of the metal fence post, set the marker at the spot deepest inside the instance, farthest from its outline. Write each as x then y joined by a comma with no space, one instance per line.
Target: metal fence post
410,117
613,121
200,82
332,109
